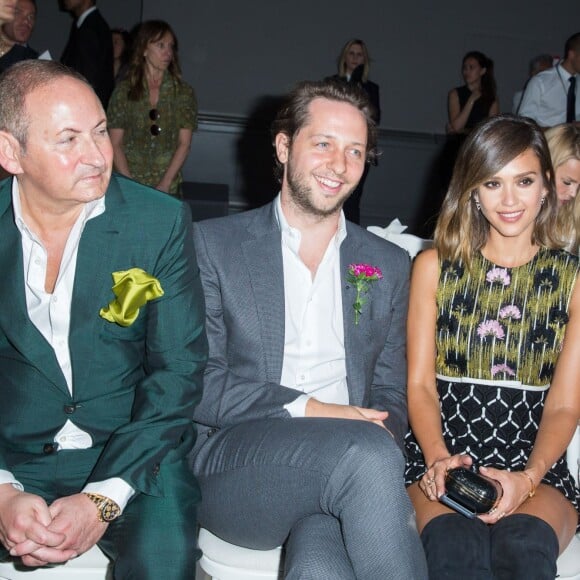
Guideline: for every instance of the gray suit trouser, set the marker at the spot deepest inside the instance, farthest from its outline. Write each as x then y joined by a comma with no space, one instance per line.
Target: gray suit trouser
331,490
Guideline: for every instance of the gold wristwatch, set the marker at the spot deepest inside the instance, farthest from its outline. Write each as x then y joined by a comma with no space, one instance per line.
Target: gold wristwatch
107,509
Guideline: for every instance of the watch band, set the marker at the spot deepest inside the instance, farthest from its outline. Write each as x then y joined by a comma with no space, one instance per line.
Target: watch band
107,509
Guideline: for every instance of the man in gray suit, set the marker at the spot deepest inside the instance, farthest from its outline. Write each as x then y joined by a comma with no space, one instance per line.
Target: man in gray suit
304,406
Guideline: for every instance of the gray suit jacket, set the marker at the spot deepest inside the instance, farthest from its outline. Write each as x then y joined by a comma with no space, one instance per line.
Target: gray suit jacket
240,259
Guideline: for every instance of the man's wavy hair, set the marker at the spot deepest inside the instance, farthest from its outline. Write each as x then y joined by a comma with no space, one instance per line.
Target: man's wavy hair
462,229
295,113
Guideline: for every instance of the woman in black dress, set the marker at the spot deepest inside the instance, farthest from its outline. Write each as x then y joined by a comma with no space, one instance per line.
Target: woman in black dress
353,67
476,99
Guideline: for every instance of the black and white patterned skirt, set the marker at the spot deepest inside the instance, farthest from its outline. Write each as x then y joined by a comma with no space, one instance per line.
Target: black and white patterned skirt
496,426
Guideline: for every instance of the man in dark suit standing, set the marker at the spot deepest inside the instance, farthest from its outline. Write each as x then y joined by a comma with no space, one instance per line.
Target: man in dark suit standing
89,49
102,342
304,406
18,31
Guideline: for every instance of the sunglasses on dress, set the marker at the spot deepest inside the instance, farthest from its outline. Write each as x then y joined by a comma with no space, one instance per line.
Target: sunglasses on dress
155,129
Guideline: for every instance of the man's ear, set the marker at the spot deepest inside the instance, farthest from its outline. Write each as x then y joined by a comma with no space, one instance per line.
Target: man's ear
282,142
10,152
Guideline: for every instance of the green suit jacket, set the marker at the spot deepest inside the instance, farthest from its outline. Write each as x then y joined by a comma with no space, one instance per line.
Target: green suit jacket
135,387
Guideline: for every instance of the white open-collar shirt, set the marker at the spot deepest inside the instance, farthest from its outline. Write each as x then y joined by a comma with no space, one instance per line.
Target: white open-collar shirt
314,355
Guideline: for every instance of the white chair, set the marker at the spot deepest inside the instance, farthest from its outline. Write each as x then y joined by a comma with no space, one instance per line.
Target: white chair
394,233
92,565
569,561
224,561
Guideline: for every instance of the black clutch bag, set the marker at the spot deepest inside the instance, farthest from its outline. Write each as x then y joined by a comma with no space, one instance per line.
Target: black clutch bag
470,493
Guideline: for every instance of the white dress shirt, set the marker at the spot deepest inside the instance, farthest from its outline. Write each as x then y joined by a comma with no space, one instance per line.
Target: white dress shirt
50,313
314,355
546,96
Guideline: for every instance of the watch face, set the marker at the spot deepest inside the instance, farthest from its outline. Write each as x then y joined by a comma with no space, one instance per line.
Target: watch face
110,511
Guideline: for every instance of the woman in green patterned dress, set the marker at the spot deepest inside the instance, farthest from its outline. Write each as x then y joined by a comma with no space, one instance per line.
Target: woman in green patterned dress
494,362
153,112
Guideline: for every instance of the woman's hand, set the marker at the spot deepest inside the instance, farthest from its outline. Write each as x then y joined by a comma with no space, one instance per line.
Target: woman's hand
475,95
432,483
516,490
164,185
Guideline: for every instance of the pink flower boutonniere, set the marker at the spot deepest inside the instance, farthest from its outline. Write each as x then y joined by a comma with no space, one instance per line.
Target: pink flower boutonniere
361,276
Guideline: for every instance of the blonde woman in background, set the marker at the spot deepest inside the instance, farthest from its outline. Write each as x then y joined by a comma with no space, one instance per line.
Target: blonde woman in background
353,68
564,144
575,234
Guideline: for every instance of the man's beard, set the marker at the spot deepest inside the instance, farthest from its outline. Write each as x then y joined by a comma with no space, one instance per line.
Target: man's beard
301,195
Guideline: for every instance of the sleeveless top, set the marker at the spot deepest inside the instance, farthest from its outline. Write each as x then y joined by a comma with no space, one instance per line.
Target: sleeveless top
479,111
504,324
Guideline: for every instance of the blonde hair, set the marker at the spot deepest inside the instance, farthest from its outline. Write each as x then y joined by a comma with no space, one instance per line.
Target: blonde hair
342,58
462,229
564,143
576,239
575,248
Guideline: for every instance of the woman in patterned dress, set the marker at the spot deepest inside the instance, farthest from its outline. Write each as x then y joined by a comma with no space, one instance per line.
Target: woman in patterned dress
153,112
494,361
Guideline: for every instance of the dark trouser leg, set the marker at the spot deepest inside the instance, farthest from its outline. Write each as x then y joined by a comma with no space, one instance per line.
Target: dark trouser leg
315,550
259,478
523,546
155,538
457,548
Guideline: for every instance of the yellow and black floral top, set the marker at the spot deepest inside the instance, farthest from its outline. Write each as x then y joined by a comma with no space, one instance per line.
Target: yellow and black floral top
506,325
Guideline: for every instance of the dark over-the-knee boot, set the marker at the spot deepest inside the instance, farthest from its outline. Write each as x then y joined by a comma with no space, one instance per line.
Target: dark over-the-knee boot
523,547
457,548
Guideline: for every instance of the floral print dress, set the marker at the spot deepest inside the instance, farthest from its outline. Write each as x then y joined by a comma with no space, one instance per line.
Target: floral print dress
498,336
148,152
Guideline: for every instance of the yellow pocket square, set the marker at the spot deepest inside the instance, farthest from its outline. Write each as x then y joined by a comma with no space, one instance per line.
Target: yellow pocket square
133,288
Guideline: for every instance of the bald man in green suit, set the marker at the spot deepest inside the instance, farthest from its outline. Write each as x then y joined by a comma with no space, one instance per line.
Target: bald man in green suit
102,342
